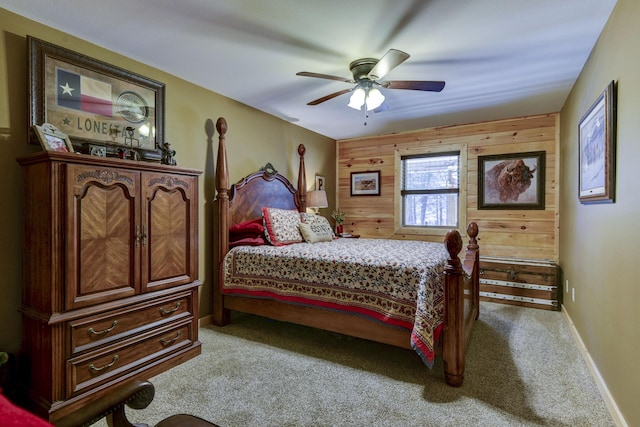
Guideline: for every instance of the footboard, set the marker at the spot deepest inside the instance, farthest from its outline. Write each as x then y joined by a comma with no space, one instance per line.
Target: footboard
462,302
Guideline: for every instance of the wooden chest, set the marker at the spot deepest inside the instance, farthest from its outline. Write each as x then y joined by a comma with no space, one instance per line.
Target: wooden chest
529,283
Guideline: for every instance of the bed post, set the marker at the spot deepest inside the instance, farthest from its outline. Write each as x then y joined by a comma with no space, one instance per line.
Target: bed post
302,181
471,265
457,325
221,316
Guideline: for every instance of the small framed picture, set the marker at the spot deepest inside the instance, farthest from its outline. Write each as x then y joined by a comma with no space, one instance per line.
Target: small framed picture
52,139
321,183
597,149
365,183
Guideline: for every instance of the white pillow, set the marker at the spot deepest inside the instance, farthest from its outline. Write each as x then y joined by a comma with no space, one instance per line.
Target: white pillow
319,224
310,236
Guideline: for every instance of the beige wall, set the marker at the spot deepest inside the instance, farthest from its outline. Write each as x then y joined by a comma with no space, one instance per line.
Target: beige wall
254,138
516,233
599,243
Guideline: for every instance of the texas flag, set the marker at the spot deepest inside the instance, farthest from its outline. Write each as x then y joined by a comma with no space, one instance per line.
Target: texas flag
83,93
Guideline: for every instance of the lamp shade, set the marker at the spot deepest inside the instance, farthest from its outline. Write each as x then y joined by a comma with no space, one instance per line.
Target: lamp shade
317,199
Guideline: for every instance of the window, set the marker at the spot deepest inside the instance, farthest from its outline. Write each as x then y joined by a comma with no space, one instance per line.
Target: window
430,190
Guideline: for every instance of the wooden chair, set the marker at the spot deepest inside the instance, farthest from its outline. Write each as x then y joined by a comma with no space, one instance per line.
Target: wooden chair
135,395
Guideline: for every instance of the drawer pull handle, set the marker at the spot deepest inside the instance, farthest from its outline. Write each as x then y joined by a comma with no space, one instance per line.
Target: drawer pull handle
165,312
172,340
107,366
105,331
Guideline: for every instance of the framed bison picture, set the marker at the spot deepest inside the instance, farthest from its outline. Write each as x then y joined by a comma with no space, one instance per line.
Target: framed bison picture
511,181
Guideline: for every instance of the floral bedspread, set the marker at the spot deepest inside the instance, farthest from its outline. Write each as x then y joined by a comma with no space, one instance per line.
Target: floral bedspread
398,282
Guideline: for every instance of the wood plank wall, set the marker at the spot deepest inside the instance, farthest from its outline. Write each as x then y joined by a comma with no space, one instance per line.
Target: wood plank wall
530,234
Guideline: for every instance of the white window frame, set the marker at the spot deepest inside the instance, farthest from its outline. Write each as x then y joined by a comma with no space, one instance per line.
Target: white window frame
462,199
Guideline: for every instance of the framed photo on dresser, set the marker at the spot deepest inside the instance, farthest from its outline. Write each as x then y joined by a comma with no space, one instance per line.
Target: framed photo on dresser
52,139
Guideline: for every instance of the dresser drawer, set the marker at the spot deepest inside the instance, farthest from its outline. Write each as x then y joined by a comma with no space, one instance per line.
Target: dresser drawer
95,368
91,332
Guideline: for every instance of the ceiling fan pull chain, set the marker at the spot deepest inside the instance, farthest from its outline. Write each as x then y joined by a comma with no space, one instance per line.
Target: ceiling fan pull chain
366,110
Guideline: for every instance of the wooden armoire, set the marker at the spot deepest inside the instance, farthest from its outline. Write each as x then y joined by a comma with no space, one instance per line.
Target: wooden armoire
110,275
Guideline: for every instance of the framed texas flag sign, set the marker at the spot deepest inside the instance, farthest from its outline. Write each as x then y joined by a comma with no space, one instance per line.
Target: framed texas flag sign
94,102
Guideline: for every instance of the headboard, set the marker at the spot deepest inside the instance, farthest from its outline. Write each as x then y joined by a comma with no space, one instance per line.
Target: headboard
250,194
244,200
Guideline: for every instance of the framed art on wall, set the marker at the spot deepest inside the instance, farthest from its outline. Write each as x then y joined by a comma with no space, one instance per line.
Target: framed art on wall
94,102
511,181
365,183
321,182
597,150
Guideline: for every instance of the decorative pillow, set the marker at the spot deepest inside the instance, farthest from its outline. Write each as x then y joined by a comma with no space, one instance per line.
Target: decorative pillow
319,224
310,236
253,226
248,241
281,226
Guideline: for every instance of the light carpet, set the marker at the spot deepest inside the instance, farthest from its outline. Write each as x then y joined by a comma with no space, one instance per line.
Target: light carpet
523,369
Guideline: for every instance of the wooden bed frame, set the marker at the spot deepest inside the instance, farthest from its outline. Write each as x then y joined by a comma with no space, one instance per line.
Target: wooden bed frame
243,201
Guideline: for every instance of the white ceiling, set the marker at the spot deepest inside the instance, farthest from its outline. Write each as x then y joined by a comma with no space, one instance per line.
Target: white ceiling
499,58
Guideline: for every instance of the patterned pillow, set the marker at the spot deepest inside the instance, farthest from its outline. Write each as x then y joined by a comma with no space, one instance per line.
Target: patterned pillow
312,237
319,224
281,226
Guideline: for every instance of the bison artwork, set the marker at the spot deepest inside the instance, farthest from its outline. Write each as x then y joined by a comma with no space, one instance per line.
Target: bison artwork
507,180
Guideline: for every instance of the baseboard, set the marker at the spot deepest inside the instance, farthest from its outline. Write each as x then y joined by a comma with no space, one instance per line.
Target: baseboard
602,386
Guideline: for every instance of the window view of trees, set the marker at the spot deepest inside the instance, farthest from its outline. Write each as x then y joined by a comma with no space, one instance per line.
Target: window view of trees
430,190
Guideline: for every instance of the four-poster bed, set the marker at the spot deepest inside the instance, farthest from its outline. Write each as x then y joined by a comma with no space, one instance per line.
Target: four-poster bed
447,298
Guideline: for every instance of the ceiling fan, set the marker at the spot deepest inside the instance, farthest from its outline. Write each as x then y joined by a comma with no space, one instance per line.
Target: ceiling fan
367,75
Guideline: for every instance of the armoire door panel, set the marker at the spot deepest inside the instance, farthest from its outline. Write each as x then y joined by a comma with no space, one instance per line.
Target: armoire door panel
102,233
168,235
167,258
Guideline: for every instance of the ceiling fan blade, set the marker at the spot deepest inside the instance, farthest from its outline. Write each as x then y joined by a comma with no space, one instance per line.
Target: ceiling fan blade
414,85
324,76
328,97
388,62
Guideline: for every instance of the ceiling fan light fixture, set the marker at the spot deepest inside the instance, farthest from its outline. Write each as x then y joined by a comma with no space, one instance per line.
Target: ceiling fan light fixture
367,73
375,98
369,96
357,98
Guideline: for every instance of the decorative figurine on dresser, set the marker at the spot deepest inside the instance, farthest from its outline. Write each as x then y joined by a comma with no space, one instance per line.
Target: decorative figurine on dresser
110,272
168,155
